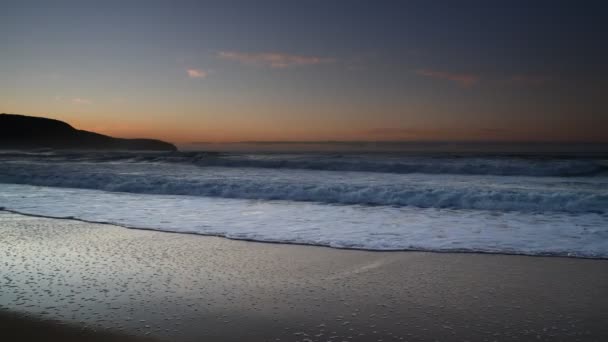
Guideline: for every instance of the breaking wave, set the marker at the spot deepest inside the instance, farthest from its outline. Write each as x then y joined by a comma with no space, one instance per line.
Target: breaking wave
456,192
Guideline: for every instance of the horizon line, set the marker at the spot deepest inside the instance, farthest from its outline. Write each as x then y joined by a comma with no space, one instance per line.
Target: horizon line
389,142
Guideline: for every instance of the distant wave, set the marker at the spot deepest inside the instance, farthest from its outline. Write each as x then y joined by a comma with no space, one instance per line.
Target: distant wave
442,164
468,195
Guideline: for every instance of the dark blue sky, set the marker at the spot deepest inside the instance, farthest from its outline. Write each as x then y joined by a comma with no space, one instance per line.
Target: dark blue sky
306,70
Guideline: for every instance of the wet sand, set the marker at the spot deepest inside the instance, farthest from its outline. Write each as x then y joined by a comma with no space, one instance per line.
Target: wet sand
180,287
19,327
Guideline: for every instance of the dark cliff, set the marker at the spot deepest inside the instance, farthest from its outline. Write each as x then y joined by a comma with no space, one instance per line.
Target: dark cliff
28,132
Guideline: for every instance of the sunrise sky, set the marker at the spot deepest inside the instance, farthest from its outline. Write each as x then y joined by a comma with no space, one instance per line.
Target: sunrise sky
310,70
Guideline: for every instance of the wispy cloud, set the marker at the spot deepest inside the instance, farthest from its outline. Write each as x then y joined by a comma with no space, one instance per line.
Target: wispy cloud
391,131
535,80
273,59
81,101
465,80
396,132
197,73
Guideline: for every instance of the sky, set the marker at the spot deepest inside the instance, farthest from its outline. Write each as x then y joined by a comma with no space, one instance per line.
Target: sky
222,71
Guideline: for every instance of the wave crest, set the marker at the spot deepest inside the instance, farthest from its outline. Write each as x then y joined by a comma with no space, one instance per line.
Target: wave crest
470,193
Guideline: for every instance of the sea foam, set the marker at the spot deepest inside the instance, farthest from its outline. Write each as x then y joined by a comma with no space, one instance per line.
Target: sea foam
352,226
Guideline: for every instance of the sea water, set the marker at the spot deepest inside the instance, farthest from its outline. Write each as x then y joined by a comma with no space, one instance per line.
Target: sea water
478,202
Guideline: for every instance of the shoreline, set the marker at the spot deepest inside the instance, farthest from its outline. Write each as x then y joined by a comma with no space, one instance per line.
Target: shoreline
190,287
452,251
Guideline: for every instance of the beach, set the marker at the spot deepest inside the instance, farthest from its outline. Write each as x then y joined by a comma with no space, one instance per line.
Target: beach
104,279
306,171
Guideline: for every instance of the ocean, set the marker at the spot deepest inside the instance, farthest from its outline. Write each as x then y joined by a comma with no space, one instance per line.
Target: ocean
532,203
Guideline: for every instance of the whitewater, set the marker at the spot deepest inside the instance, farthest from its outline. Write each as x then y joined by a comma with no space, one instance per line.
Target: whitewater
518,204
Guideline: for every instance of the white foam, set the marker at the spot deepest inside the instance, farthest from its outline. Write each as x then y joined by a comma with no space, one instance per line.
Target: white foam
353,226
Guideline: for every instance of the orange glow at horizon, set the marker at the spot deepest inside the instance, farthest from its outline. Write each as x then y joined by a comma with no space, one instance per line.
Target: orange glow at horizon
191,133
239,123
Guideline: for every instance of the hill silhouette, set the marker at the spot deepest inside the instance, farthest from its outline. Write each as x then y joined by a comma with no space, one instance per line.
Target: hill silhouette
29,132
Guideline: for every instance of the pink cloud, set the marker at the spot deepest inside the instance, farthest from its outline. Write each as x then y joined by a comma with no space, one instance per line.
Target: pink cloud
197,73
465,80
273,59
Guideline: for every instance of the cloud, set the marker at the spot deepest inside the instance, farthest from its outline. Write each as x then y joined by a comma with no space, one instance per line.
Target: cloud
81,101
438,134
273,59
465,80
395,132
535,80
197,73
391,131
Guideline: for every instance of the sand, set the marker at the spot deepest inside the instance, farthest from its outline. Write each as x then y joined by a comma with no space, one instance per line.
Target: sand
180,287
19,327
